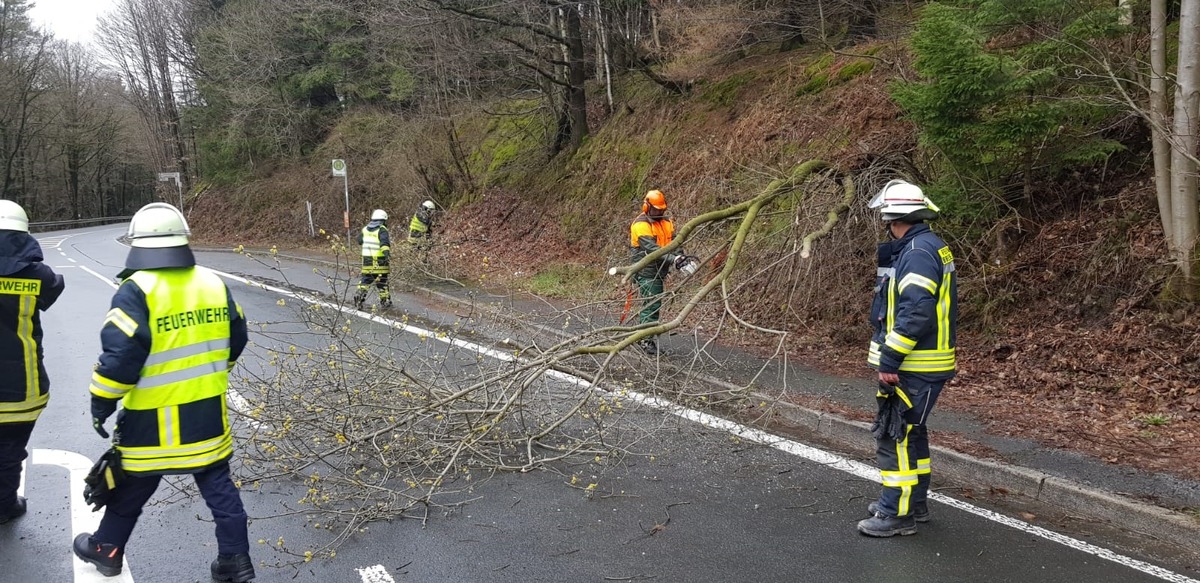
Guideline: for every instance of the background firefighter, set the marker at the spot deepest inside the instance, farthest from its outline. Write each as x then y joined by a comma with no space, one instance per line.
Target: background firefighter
27,288
914,315
420,228
376,253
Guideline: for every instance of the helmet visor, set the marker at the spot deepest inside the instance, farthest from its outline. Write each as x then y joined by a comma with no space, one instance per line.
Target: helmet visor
877,202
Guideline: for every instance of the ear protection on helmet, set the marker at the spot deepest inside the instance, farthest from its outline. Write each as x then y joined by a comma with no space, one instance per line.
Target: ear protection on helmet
655,199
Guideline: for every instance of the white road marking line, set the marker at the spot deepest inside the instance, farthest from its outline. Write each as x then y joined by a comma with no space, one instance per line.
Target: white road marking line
24,471
798,449
376,574
241,405
72,260
107,280
56,241
82,517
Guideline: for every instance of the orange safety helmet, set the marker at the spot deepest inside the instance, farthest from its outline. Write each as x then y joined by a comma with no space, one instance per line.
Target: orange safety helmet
655,199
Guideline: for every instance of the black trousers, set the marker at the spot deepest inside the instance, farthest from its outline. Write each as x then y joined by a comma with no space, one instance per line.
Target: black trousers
14,439
905,465
223,499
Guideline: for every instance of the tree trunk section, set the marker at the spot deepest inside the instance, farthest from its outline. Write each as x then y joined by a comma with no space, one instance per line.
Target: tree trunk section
1158,119
1184,205
576,75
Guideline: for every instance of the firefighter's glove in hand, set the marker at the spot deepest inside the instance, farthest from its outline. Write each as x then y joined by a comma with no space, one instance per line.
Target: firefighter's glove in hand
889,419
101,410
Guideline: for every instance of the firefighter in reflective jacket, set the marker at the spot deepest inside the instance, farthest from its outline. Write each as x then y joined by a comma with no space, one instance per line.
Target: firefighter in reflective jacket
420,228
376,254
27,287
649,232
913,349
168,343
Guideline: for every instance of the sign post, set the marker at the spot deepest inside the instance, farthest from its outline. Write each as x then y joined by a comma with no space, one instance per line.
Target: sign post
169,176
339,169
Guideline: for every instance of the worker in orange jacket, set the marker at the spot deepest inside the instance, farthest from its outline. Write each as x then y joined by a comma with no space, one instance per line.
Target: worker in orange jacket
649,232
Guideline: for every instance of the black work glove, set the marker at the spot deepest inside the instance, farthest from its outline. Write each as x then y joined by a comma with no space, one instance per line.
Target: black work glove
101,410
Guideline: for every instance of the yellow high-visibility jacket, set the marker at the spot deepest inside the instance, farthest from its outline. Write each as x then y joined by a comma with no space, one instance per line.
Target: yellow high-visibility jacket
168,344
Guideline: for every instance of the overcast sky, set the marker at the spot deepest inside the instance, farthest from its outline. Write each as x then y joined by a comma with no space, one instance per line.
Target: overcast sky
70,19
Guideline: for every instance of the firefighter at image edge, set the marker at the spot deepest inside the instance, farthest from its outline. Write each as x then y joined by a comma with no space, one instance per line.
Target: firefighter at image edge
27,288
168,344
914,316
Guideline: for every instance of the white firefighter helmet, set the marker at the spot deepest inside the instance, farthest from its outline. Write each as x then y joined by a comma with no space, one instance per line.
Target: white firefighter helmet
158,225
379,215
900,200
429,204
158,237
13,217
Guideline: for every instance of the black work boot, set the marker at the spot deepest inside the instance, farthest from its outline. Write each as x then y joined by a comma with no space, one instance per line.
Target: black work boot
884,526
359,299
107,558
236,568
12,512
385,303
920,512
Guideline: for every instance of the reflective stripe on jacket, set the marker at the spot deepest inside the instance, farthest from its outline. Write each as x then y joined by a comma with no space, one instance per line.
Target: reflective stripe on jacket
169,341
915,310
27,286
647,235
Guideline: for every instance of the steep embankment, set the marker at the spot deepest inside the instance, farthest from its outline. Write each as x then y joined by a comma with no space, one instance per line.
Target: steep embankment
1061,340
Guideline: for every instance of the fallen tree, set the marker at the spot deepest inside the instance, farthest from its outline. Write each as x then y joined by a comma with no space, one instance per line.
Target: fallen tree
374,417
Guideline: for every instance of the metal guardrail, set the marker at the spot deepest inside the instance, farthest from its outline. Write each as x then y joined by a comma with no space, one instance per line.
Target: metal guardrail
63,225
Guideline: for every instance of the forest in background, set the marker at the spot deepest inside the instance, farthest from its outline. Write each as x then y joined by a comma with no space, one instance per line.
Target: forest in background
72,144
1059,137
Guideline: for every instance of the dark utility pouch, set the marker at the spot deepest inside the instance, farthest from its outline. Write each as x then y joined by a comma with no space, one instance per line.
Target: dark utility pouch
105,476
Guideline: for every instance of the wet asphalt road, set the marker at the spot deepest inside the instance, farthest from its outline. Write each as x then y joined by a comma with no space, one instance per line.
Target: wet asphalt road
700,505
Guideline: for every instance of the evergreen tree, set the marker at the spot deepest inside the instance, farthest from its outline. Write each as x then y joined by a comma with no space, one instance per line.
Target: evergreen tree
1003,95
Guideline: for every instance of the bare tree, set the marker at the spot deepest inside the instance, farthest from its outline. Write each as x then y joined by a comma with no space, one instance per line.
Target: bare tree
1175,141
22,60
141,38
549,37
85,128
